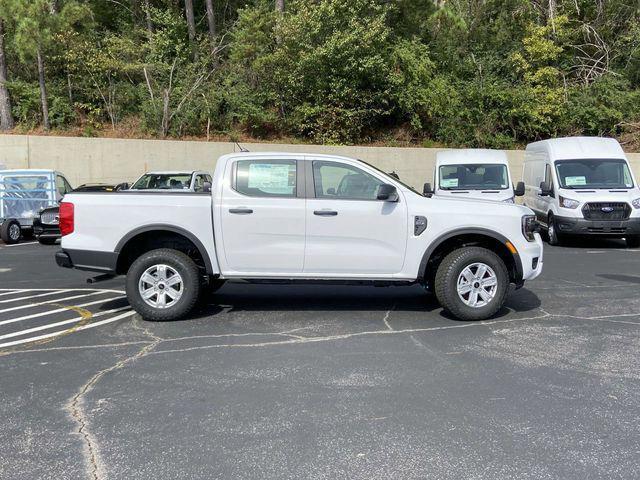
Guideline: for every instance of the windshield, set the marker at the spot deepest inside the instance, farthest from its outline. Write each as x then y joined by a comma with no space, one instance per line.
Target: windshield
396,177
480,176
153,181
21,196
593,173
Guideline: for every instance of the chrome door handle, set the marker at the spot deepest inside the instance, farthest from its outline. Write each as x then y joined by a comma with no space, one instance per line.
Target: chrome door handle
325,213
240,211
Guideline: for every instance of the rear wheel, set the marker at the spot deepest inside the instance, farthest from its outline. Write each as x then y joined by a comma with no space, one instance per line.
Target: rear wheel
471,283
163,284
633,241
10,232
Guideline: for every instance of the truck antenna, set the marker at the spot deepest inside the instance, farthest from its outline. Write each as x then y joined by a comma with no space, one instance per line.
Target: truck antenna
242,149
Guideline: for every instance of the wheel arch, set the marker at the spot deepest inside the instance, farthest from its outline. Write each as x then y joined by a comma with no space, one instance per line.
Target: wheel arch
446,243
150,237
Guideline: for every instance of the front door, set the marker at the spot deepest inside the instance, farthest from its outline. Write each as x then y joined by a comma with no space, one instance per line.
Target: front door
262,214
350,231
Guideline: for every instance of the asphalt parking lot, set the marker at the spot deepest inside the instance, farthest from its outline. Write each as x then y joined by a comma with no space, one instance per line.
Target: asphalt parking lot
322,382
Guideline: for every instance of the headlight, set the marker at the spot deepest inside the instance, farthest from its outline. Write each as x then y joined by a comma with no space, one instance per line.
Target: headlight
568,203
529,227
511,200
636,203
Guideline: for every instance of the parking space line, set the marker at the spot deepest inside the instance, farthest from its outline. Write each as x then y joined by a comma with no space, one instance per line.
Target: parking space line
63,322
21,244
51,312
13,292
30,305
35,296
62,332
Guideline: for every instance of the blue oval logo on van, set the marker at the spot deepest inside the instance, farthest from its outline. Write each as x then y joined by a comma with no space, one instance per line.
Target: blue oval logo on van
607,209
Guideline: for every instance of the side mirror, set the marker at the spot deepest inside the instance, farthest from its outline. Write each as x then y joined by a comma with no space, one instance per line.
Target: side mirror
206,187
331,191
519,190
427,191
545,190
122,186
388,193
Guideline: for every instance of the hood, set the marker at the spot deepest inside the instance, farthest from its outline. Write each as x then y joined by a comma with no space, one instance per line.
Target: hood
494,195
481,205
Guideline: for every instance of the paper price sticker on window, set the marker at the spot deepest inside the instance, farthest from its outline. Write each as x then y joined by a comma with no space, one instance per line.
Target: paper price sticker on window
449,182
279,179
575,181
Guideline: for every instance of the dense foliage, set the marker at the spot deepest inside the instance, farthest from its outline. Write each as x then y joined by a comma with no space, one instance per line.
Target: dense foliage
494,73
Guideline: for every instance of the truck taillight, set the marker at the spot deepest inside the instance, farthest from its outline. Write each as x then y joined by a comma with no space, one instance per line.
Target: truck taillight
66,218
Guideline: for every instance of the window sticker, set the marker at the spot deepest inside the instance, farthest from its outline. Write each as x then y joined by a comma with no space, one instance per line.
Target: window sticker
449,182
573,181
272,178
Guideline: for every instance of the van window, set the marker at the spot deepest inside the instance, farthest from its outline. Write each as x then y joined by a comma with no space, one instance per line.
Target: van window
593,173
474,177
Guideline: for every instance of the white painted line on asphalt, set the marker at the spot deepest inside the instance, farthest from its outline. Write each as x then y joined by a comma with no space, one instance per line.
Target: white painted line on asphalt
61,332
30,305
58,324
21,244
5,270
58,310
35,296
12,292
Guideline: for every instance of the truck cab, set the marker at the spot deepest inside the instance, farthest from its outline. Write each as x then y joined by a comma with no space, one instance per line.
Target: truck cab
582,186
474,173
285,218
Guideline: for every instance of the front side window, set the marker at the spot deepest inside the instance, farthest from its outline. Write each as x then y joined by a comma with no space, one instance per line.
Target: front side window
474,177
593,173
152,181
336,180
266,178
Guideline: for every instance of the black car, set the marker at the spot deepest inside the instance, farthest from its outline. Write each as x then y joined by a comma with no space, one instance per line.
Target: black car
46,225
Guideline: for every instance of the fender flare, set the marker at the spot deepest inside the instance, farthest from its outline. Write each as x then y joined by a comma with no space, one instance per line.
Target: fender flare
167,228
469,231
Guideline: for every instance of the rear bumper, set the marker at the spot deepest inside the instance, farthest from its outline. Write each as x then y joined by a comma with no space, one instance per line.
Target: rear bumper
103,262
605,228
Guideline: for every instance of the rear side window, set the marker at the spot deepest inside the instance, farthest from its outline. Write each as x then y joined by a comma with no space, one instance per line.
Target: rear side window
266,178
336,180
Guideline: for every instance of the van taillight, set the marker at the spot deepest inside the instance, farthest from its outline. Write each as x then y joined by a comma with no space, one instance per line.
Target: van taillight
66,218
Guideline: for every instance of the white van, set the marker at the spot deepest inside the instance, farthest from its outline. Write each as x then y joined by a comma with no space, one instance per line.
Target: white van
474,173
582,186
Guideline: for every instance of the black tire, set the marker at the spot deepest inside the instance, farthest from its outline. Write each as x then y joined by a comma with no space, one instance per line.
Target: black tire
10,232
446,288
179,262
552,231
47,240
633,241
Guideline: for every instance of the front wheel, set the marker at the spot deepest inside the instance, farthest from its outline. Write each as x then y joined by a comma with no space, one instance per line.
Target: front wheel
633,241
552,232
163,284
10,232
471,283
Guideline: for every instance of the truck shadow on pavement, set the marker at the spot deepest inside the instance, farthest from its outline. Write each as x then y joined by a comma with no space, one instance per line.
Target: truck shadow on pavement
238,297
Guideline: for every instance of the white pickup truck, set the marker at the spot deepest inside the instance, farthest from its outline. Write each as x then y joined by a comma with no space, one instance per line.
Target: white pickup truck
283,217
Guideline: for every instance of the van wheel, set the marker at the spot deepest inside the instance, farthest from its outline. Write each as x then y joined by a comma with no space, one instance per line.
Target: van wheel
163,284
552,232
633,241
10,232
471,283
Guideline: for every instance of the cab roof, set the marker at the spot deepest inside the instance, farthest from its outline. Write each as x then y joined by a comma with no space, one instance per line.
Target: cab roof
568,148
471,156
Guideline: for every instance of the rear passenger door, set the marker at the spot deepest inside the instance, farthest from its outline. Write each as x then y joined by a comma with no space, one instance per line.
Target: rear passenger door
262,211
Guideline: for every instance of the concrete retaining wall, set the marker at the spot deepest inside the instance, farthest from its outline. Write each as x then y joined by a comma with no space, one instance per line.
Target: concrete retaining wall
85,160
